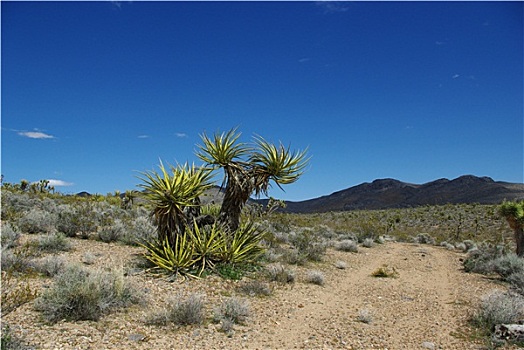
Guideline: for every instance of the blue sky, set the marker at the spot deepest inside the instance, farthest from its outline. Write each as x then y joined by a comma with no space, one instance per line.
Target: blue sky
95,92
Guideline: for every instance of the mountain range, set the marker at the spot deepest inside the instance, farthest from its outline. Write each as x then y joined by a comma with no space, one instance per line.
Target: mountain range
391,193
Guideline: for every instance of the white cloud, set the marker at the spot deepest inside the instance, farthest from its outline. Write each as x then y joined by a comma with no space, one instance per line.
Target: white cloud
180,134
455,76
57,183
35,135
333,6
143,136
303,60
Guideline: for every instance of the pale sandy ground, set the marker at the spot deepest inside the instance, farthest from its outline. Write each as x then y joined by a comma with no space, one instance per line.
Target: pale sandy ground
426,307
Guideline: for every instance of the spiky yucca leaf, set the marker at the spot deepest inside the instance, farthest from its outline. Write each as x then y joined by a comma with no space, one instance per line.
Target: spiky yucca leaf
276,163
207,243
243,246
222,149
179,259
513,211
169,193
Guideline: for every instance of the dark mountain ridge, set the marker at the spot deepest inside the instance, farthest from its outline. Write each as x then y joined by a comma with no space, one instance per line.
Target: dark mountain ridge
391,193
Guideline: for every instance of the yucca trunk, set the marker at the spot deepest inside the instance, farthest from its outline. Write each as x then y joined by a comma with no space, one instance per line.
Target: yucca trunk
518,230
238,189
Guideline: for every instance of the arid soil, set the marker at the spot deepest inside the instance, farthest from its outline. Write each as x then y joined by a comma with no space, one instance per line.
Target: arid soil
425,307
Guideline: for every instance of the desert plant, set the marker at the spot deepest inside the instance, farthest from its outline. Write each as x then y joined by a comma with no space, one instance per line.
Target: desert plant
385,271
308,244
50,265
498,308
36,221
10,235
79,294
315,277
347,245
140,231
78,218
180,311
248,169
508,264
514,214
233,309
424,238
278,273
54,243
112,232
479,260
368,243
243,246
173,196
177,259
255,288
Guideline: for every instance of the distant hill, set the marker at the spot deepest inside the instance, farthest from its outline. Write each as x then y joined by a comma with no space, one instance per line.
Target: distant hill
391,193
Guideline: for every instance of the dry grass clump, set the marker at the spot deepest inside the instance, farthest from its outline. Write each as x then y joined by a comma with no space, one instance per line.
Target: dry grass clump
54,243
385,271
342,265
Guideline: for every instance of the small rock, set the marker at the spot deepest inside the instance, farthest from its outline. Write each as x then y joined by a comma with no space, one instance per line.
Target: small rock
428,345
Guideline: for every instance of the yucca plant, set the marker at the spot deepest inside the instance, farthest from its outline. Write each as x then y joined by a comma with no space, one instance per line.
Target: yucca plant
243,245
514,214
207,243
177,259
172,194
248,169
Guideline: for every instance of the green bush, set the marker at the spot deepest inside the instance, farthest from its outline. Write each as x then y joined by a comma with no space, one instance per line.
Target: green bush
37,221
79,294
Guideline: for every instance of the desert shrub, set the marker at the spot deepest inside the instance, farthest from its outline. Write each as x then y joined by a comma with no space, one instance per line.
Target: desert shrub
308,244
54,243
255,288
79,294
479,260
516,280
49,265
347,245
139,231
507,265
10,235
461,247
77,219
447,245
385,271
469,245
368,243
424,238
278,273
180,311
498,308
233,309
37,221
315,277
112,232
17,260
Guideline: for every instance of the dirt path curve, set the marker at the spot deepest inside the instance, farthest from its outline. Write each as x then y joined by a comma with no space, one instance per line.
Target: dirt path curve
425,307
